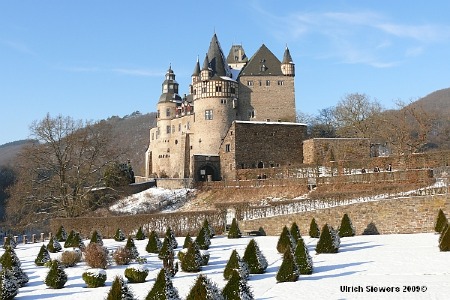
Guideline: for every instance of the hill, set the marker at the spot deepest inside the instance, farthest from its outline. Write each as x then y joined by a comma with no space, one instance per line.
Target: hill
9,151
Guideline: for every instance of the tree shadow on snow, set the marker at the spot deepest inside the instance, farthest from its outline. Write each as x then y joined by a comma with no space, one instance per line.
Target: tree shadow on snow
314,277
326,268
349,249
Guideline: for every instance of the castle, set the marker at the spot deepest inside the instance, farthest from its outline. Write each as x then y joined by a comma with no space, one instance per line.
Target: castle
239,113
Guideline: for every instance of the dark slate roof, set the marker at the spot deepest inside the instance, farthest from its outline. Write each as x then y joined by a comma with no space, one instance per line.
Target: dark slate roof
263,63
206,63
233,56
196,69
169,97
216,58
287,57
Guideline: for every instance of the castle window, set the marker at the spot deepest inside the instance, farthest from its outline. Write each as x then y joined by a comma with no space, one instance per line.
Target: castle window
168,129
173,128
204,89
260,83
242,166
188,126
251,114
176,142
233,90
153,136
179,127
250,83
227,148
158,115
168,112
263,68
208,114
223,101
218,89
267,82
280,82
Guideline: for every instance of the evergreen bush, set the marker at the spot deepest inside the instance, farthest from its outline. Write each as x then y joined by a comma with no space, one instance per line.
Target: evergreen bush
94,278
53,245
288,271
237,288
132,248
61,234
187,241
70,258
295,233
371,229
346,229
326,243
444,242
96,256
203,240
285,241
205,257
210,230
314,231
257,263
136,274
154,243
74,240
163,288
192,260
236,263
69,240
441,220
9,242
166,249
234,232
171,236
119,236
140,235
261,231
96,238
204,288
56,277
9,261
446,226
42,257
119,290
8,285
122,256
302,258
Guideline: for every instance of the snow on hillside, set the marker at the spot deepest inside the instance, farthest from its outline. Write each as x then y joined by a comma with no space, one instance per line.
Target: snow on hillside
364,266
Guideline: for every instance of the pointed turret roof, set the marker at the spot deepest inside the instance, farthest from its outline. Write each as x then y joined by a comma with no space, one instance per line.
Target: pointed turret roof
206,63
196,69
217,58
287,59
263,62
237,55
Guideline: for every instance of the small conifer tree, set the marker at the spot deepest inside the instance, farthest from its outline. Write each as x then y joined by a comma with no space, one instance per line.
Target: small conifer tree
119,290
261,231
10,261
444,242
119,236
53,245
171,236
285,241
154,243
140,235
56,277
236,263
8,285
187,241
446,226
61,234
295,232
257,263
204,288
9,242
234,232
210,230
326,243
131,247
440,221
69,240
288,271
371,229
74,240
42,257
163,288
302,258
237,288
96,238
314,231
192,260
346,229
166,249
203,240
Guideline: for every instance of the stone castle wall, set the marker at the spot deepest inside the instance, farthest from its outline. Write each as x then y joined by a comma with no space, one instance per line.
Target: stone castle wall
323,150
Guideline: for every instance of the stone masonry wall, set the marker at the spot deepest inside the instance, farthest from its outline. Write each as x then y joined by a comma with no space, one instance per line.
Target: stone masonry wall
403,215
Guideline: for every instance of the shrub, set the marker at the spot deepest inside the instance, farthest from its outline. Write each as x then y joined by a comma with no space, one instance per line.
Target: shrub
69,240
235,263
234,232
74,240
288,271
204,288
209,229
166,249
9,242
96,256
119,236
314,231
203,240
96,238
94,278
154,243
237,288
192,260
132,248
61,234
122,256
205,257
140,235
56,277
444,243
136,274
119,290
285,241
8,285
171,236
295,232
10,262
441,220
371,229
42,257
163,288
326,243
53,245
257,263
302,258
187,241
261,231
70,258
346,229
443,232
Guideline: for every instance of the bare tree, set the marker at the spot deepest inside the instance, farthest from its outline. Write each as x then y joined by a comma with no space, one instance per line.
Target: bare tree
56,174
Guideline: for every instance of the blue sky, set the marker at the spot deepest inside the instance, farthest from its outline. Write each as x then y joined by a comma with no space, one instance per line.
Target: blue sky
95,59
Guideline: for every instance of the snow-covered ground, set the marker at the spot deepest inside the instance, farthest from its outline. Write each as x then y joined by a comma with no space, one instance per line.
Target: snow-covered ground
363,266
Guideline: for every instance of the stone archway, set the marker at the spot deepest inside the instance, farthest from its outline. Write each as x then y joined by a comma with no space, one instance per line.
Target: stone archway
207,173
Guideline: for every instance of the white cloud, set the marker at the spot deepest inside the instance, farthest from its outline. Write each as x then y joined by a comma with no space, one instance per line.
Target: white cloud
20,47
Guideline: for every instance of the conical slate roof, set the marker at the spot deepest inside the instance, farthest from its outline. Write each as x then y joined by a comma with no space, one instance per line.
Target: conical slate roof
216,58
287,59
196,69
263,63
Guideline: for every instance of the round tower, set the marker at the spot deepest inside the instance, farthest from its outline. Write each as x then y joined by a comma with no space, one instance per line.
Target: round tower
287,65
167,104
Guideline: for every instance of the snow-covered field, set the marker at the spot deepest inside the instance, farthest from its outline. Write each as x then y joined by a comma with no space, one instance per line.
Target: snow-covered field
364,265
